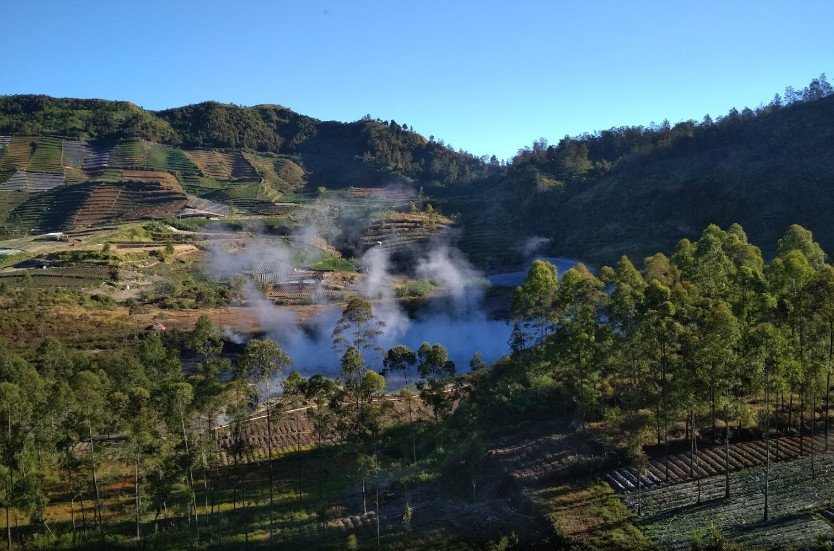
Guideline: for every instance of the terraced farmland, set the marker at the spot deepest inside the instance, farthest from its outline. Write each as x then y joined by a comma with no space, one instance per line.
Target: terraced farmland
281,173
139,154
710,462
164,179
671,513
85,156
399,230
46,157
32,182
17,153
221,165
72,277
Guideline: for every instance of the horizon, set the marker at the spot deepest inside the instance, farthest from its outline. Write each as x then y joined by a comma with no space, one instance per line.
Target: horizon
511,75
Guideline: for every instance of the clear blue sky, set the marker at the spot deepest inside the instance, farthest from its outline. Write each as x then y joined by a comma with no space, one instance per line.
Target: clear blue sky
488,77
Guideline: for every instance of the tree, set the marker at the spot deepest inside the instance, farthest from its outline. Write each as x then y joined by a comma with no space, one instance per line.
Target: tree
437,371
580,341
321,391
822,293
797,238
533,301
205,339
91,394
477,362
357,328
262,362
400,359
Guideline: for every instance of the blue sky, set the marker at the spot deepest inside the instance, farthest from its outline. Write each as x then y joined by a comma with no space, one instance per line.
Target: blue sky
488,77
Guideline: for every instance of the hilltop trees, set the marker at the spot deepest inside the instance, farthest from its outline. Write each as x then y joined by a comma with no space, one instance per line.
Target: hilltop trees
262,362
698,340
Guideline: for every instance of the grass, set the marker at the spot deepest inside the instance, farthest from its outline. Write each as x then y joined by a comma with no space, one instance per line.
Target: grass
280,172
332,263
589,514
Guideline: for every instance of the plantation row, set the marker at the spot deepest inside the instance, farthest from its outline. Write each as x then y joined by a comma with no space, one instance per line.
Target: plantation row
708,462
32,182
671,514
223,166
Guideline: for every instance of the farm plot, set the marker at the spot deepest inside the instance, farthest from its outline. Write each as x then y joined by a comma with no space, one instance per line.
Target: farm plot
281,173
46,156
710,462
203,207
4,141
223,166
139,154
17,153
105,203
671,514
72,277
164,179
85,156
399,230
32,182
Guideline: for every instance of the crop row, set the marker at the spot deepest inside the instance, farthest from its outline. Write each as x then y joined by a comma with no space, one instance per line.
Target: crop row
139,154
709,462
223,166
32,182
672,513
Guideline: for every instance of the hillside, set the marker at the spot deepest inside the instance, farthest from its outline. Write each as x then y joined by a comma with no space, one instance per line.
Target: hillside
633,189
639,190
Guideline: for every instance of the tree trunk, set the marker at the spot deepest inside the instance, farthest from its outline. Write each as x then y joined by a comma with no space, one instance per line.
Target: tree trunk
137,502
767,444
97,510
801,422
364,501
639,491
271,473
813,429
727,447
827,403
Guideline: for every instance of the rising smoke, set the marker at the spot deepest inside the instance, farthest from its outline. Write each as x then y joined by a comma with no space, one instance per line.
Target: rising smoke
457,319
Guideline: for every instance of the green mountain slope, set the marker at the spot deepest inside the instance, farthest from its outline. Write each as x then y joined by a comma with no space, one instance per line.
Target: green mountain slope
641,190
632,189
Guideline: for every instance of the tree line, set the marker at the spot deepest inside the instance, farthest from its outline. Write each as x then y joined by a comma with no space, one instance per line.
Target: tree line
68,414
697,347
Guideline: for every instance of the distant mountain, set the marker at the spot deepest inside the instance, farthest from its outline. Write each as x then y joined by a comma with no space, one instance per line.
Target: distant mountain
639,190
632,190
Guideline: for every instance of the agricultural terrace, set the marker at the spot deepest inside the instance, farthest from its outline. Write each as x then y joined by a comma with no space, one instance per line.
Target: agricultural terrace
141,154
398,230
281,173
672,514
32,182
223,166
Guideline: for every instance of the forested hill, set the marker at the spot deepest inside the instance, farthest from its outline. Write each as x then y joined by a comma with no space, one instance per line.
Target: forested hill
333,154
639,190
634,189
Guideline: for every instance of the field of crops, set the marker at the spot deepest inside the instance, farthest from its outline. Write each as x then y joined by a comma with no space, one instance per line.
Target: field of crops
283,174
130,201
16,155
47,156
139,154
223,166
85,156
164,179
32,182
671,513
71,277
710,462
